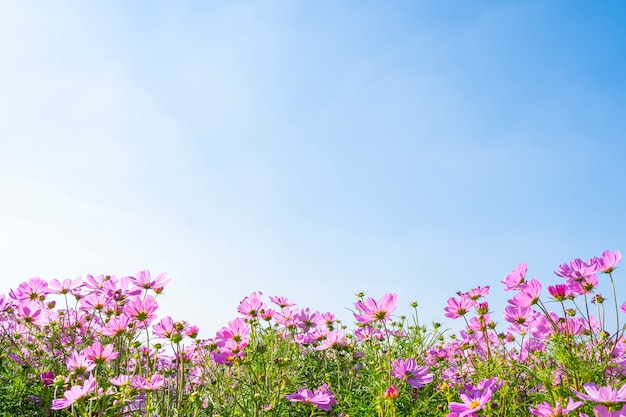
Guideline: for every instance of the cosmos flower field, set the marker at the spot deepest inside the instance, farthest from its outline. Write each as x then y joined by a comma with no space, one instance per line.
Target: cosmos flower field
98,347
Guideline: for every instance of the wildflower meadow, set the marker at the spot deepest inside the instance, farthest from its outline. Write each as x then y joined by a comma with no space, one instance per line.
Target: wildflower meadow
96,346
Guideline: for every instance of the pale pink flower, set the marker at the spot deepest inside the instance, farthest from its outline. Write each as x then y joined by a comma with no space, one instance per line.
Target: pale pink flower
604,395
144,280
100,354
142,311
252,306
36,289
547,410
77,392
68,286
322,397
373,311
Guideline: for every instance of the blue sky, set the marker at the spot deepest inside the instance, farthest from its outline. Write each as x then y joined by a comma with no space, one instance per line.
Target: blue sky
310,149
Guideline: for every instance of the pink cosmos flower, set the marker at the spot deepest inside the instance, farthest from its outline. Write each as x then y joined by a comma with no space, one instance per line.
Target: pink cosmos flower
281,302
95,301
164,328
77,392
391,392
154,383
287,317
144,280
577,269
561,292
237,330
192,331
333,339
79,364
529,294
519,316
97,283
116,326
515,279
602,411
142,311
373,311
605,395
31,312
120,380
36,289
308,319
547,410
252,306
67,287
99,354
407,370
368,333
459,307
608,261
475,293
322,397
471,404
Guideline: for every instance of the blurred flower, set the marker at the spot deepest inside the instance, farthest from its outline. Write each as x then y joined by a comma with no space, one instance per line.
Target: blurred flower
322,397
604,395
408,371
547,410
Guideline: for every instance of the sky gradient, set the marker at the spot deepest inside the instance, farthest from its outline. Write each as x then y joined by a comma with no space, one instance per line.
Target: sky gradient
310,149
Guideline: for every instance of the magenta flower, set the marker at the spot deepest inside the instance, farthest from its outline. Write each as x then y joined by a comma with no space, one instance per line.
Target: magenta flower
77,392
561,292
391,392
373,311
604,395
515,279
47,378
577,269
547,410
408,370
322,397
608,261
602,411
529,294
459,307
